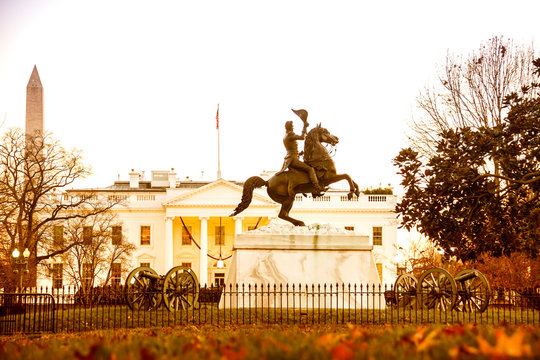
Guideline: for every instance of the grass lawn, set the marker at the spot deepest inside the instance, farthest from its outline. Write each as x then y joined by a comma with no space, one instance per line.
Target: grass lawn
104,317
282,342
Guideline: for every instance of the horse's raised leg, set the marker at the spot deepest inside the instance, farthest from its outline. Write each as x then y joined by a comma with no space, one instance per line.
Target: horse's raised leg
286,206
354,189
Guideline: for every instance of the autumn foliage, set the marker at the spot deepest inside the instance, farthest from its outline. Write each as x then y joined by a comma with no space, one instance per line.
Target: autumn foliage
516,271
277,342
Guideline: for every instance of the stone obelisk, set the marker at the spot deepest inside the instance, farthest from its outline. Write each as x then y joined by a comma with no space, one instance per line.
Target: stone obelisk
34,105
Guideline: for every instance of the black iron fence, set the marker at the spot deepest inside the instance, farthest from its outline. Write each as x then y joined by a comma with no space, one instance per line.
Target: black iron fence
71,310
27,313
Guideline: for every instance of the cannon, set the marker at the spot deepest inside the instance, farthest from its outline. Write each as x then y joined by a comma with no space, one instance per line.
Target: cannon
177,290
436,288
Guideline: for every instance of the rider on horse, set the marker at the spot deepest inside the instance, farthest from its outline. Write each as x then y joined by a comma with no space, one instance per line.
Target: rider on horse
284,185
292,159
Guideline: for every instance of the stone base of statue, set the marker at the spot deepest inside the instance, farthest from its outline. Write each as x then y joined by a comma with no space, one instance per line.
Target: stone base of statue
306,270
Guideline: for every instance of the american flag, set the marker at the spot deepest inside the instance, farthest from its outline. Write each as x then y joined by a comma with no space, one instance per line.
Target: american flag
217,118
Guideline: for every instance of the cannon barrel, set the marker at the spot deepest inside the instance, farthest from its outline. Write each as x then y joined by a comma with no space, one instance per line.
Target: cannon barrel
466,276
149,275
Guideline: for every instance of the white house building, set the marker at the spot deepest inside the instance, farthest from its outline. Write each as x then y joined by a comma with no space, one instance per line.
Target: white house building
187,223
173,222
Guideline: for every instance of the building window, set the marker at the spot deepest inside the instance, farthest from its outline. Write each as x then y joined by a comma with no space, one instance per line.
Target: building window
58,235
144,264
116,238
87,235
186,239
219,279
377,235
186,264
57,276
145,235
116,274
220,235
87,274
379,270
349,228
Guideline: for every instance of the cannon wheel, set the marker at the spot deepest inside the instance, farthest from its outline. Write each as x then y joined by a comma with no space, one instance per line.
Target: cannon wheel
437,289
141,292
474,291
180,289
536,296
405,290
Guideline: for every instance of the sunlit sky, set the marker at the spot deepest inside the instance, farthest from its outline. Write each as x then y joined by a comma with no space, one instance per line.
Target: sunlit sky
135,84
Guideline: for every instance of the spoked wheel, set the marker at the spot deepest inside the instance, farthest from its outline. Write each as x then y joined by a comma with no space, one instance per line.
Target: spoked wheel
180,289
405,290
437,289
535,299
142,291
473,291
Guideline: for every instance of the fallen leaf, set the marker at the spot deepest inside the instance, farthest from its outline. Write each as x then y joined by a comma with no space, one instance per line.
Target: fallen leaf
458,351
512,345
505,345
193,345
329,340
342,351
454,330
428,341
227,352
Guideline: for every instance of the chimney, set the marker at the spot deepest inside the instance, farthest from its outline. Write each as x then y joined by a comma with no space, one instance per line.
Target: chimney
134,178
172,179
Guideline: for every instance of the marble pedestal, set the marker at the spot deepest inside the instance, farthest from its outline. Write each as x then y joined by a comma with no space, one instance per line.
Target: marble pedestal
306,271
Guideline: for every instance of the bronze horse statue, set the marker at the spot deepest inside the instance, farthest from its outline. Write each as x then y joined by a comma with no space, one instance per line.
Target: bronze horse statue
283,187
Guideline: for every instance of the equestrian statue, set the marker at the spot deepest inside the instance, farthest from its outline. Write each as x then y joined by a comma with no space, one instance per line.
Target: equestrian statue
313,175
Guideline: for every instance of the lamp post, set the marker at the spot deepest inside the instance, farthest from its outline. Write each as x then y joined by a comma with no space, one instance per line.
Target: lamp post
21,264
220,263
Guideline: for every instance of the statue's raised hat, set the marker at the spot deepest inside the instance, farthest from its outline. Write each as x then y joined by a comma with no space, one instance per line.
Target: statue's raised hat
302,114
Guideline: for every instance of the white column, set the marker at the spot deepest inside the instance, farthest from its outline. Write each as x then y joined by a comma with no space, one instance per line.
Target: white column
168,243
237,225
203,274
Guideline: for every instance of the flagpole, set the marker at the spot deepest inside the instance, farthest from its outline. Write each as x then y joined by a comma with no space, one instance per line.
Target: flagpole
218,145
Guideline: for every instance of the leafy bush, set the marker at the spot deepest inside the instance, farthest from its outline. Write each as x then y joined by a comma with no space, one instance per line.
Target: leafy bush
379,191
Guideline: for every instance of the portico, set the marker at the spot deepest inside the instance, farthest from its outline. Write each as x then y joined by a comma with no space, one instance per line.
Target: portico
199,231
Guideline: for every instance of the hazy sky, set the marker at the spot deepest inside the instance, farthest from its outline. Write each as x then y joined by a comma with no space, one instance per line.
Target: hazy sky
135,84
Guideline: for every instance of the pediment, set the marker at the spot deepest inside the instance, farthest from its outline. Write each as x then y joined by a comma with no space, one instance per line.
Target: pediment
217,193
146,256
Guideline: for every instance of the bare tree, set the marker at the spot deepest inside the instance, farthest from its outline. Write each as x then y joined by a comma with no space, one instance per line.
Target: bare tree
470,91
34,171
100,247
419,255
